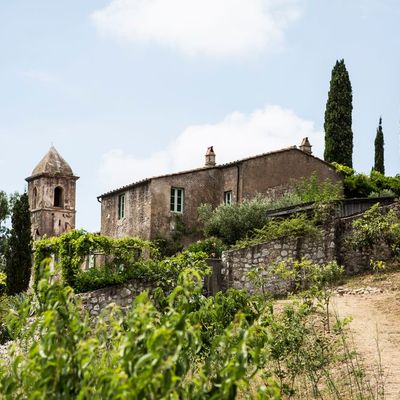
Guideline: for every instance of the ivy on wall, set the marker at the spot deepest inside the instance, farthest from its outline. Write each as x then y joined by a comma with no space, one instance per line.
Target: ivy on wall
72,248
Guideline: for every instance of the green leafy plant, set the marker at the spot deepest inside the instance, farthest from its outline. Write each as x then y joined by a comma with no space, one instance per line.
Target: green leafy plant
147,353
212,246
374,185
235,221
72,248
161,273
373,227
296,226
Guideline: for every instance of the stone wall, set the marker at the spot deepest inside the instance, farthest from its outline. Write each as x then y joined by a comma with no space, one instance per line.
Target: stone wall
356,261
237,263
332,245
122,295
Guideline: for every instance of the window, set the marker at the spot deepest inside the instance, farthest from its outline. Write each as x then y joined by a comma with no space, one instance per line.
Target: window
34,201
177,200
228,197
58,197
121,206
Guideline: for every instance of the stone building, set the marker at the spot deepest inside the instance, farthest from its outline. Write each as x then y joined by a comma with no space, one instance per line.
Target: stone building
155,206
51,192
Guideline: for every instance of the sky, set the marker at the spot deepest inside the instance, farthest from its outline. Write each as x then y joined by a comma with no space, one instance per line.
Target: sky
128,89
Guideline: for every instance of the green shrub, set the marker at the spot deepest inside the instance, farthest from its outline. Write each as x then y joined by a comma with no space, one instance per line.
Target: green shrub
163,274
3,283
373,227
71,249
374,185
212,246
235,221
145,354
296,226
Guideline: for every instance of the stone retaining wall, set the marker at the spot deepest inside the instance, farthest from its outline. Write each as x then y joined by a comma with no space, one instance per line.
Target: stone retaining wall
332,245
122,295
237,263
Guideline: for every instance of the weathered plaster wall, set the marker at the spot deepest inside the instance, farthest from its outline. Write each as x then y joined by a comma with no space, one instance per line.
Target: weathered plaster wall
148,203
47,219
278,170
201,186
137,218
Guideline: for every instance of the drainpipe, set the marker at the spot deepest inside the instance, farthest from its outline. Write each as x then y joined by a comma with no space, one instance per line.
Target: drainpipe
237,182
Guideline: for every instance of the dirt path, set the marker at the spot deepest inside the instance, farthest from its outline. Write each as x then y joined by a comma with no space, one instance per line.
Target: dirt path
376,319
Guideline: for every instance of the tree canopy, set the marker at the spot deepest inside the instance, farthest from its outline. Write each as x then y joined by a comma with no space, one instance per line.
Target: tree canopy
338,118
19,251
379,152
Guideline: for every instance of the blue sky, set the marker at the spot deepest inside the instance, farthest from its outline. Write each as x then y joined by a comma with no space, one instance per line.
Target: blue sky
127,89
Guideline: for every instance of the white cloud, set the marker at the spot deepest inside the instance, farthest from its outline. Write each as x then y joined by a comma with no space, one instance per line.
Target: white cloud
40,76
211,27
237,136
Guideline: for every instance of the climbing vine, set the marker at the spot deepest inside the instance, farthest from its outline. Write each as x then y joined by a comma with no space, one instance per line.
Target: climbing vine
71,249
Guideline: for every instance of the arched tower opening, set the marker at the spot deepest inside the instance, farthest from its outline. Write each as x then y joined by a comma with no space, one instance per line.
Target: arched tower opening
58,197
34,199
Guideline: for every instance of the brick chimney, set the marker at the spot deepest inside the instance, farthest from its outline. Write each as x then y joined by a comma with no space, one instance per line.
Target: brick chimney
210,157
306,146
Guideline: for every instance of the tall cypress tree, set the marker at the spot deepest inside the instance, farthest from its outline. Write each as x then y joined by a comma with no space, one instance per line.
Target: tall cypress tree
338,120
379,156
19,254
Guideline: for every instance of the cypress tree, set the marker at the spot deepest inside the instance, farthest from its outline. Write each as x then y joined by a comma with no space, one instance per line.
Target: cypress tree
4,213
338,120
19,254
379,156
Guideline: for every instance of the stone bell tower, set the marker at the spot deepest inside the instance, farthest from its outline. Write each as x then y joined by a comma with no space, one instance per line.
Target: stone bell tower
51,192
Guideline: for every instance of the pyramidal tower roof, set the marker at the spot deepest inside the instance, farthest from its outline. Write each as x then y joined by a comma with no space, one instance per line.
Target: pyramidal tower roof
52,164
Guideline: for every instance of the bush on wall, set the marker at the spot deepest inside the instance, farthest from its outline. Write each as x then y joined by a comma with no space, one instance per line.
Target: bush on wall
373,185
71,249
235,221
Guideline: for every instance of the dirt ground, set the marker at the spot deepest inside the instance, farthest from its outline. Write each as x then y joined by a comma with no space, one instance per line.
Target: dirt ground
375,326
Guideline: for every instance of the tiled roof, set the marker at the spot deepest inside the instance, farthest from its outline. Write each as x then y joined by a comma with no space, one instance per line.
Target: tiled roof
52,164
221,166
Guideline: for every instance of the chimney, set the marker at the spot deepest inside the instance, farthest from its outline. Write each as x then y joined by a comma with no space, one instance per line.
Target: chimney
306,146
210,157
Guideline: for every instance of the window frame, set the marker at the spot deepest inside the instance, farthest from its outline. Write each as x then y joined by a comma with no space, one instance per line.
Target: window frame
121,206
177,200
228,197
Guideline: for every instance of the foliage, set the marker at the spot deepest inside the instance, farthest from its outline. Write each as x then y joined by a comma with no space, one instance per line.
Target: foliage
19,252
235,221
338,119
373,227
72,248
362,185
379,164
224,347
377,266
3,283
4,214
162,274
313,190
212,246
295,226
145,354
